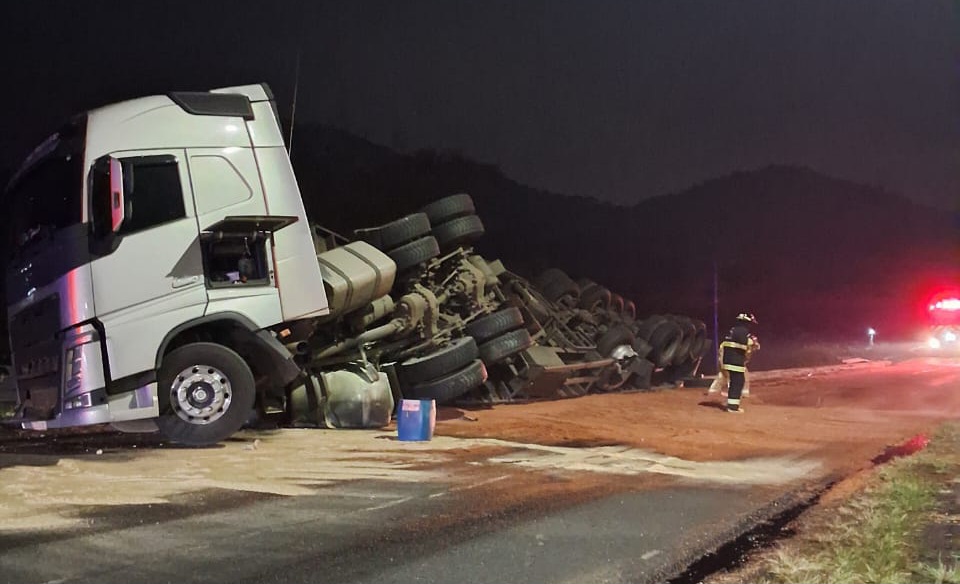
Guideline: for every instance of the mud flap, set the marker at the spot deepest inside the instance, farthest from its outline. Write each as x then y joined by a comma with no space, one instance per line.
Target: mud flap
305,404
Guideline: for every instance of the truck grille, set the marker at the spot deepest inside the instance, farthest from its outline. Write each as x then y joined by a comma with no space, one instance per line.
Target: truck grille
36,356
36,323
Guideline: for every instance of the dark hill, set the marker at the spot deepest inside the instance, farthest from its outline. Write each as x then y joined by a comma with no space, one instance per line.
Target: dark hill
807,252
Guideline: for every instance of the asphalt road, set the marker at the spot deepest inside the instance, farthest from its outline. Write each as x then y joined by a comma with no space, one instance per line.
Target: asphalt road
361,533
311,505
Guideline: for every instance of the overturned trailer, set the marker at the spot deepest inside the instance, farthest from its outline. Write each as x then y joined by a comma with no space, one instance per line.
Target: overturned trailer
553,339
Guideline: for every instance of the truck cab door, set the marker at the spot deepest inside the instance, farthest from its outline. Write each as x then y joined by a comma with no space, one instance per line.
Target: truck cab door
148,271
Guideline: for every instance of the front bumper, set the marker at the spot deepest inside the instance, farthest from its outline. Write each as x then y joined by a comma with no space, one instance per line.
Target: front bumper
139,404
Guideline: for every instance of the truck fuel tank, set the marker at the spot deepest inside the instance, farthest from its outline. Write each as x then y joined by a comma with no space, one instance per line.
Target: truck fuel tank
355,396
354,275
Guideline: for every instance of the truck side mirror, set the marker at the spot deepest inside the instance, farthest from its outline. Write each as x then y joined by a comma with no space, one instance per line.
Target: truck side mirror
118,207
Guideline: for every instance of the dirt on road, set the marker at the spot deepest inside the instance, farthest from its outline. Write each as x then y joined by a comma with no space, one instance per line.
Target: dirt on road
843,416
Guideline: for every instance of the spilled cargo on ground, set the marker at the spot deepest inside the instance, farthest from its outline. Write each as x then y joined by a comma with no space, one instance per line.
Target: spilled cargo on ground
165,277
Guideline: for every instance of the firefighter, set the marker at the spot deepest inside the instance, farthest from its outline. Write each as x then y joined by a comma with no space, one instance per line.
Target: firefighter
722,381
735,346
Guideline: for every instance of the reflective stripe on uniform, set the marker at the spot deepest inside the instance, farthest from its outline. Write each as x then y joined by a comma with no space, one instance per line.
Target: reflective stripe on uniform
733,402
730,367
734,345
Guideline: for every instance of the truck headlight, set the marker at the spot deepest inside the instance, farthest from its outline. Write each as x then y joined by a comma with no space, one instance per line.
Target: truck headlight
933,343
82,369
73,369
949,336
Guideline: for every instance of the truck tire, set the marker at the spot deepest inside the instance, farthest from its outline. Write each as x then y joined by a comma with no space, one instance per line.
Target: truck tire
447,208
205,392
504,346
615,336
459,353
396,233
549,276
698,347
554,284
646,328
595,298
665,339
629,310
616,303
703,348
585,283
458,232
689,332
560,289
414,253
487,327
449,387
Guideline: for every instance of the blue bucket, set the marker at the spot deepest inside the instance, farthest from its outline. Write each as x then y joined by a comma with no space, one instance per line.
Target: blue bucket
416,419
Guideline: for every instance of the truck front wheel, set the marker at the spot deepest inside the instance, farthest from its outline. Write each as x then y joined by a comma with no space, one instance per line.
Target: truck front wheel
205,393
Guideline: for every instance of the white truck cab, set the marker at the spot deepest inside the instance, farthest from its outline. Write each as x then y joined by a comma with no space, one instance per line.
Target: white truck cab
159,243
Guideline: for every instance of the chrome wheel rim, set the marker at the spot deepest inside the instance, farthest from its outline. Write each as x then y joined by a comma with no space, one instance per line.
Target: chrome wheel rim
200,394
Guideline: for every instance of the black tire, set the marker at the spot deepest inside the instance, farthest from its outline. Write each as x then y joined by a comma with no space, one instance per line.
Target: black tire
586,283
647,327
616,303
504,346
697,346
554,284
414,253
549,276
686,343
451,386
615,336
559,289
705,345
665,339
629,310
447,208
205,392
369,234
461,231
396,233
595,298
458,354
492,325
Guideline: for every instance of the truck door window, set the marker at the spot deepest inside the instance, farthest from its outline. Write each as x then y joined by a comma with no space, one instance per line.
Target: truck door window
153,192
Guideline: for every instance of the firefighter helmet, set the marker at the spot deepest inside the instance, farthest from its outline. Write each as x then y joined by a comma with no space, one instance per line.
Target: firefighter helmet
747,317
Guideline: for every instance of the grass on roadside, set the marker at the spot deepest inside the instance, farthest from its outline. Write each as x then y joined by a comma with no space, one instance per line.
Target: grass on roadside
877,536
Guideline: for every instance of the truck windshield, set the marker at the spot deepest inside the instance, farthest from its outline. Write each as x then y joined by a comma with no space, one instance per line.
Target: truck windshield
45,195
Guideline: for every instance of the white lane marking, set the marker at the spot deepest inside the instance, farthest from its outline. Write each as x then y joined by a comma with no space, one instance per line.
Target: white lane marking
388,504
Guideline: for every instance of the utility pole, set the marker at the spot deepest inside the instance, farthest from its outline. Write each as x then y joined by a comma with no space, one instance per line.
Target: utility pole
716,316
293,108
296,77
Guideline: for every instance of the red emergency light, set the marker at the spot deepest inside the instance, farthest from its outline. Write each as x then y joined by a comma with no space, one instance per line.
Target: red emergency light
944,309
950,304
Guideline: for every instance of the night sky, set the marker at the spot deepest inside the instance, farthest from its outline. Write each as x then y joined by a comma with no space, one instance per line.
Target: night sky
617,99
